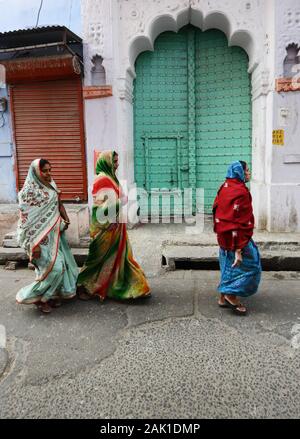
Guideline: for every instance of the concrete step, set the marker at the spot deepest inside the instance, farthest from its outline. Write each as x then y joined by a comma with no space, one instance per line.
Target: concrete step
206,257
19,255
84,242
79,228
265,242
185,257
12,254
10,240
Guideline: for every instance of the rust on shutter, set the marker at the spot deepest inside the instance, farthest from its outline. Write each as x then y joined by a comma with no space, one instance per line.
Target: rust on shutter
48,123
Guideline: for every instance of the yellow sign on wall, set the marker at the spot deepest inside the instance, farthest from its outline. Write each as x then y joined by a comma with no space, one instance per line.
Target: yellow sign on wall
278,137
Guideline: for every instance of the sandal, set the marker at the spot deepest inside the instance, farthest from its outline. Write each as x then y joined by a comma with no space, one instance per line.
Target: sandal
44,307
222,305
82,293
55,303
145,296
237,307
84,296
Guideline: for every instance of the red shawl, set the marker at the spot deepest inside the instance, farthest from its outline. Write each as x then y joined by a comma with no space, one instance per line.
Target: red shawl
233,215
103,182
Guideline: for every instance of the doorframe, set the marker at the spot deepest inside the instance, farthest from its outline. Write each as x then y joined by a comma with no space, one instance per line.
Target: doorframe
248,39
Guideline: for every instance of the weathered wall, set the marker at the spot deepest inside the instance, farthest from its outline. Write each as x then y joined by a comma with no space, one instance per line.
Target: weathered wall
7,177
21,15
120,30
285,160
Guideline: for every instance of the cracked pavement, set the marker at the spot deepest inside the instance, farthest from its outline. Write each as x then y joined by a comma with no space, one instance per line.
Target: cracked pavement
175,355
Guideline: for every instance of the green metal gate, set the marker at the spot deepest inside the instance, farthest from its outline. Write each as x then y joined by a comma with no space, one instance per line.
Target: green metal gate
192,115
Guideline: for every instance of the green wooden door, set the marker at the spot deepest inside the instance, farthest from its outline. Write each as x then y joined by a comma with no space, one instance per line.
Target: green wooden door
191,116
160,119
223,110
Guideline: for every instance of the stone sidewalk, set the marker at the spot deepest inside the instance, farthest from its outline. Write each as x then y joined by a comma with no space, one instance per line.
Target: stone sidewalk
175,355
155,245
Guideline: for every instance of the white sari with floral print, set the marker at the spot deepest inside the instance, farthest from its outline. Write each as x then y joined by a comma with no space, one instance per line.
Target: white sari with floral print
40,224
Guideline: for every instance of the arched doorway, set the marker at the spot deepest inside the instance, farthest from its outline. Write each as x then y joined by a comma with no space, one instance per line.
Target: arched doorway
192,112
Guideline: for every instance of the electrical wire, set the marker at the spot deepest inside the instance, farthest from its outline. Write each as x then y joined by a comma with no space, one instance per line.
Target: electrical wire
38,16
70,15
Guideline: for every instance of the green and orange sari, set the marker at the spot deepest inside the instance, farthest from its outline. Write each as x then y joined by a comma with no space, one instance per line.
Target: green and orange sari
110,269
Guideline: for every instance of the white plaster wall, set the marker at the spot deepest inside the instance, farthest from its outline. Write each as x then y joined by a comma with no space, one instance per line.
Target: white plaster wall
100,131
97,33
142,21
287,172
287,24
285,208
119,30
262,104
284,189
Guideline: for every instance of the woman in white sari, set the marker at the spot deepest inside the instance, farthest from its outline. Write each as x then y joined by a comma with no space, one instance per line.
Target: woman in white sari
43,220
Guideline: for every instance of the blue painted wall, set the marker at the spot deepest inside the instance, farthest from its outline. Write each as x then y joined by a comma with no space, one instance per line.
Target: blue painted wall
7,178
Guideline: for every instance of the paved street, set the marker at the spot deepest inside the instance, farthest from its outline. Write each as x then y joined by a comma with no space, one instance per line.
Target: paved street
176,355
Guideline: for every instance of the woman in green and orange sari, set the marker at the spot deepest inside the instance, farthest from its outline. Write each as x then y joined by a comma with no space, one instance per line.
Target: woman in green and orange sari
110,269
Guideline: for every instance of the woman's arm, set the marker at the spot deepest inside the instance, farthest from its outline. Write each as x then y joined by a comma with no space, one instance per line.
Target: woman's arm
238,258
108,205
36,254
64,215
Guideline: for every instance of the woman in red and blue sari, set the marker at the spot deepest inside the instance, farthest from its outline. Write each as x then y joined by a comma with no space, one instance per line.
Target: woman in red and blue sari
234,223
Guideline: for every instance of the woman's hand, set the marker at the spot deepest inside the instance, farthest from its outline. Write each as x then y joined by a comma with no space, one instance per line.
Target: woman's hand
97,202
124,200
64,215
36,254
112,226
66,225
238,258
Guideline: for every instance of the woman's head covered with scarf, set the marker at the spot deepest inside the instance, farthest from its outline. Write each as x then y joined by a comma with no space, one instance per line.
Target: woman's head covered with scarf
105,164
237,170
39,207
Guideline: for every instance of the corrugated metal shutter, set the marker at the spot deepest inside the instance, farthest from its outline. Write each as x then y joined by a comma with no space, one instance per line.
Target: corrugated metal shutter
48,123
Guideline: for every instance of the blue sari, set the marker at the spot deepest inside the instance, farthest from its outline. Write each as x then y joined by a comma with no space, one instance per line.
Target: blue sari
242,280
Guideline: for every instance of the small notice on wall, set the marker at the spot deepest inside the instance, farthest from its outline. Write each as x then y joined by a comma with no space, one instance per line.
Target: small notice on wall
278,137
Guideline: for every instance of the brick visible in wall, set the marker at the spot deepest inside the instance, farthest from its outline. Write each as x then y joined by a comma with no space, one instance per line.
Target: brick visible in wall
96,92
287,84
